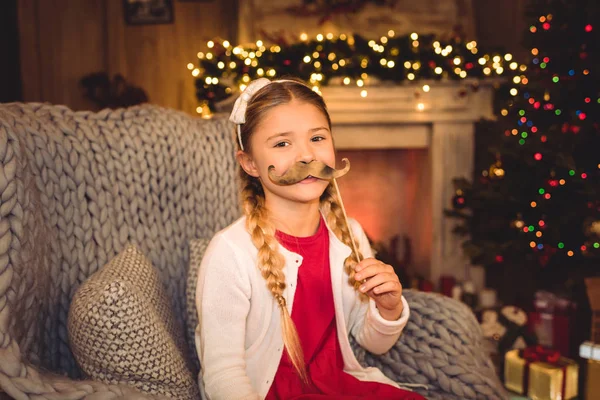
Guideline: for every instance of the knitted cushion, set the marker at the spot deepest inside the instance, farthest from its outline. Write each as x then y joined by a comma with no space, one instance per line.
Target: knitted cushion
122,332
197,249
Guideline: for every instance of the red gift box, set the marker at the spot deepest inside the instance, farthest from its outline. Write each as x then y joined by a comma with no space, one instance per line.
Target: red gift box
551,321
552,330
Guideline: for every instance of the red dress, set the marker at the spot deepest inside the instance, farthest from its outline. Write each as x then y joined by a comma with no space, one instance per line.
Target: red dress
314,316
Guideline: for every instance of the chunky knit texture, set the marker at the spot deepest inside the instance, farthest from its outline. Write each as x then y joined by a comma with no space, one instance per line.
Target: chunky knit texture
441,347
76,187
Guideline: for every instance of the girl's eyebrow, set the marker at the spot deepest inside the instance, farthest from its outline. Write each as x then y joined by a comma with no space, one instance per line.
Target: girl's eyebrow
279,134
311,130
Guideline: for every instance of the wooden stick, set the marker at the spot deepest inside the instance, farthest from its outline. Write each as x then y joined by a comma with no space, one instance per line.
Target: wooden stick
337,189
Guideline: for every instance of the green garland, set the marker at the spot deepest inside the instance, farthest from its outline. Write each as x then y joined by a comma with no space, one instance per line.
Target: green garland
345,59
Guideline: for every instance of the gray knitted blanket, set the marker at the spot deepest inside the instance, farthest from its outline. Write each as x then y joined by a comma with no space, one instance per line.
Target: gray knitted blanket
76,187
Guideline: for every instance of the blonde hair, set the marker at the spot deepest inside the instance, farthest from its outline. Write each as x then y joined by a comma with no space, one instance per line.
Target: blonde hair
270,261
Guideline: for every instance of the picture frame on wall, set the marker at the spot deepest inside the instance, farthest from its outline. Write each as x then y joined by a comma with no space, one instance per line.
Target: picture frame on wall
144,12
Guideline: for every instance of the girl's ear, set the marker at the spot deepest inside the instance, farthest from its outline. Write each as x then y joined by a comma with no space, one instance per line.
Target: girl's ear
247,163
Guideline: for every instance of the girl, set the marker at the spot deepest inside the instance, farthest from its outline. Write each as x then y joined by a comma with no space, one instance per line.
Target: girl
280,290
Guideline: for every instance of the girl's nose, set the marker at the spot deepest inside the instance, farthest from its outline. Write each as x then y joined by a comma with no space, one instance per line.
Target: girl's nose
305,155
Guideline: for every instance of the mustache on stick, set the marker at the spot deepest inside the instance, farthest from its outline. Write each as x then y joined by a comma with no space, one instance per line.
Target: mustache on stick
317,169
302,170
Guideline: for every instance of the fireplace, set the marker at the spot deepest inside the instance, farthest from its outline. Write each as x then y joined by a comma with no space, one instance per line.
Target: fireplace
406,143
389,190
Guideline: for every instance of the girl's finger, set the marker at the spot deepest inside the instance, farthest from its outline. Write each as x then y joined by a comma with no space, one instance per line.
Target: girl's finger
387,287
377,280
365,263
372,270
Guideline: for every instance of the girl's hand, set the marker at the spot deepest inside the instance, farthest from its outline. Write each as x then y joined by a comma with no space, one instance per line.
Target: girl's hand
382,285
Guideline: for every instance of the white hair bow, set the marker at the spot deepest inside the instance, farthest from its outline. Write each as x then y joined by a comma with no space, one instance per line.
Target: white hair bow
238,115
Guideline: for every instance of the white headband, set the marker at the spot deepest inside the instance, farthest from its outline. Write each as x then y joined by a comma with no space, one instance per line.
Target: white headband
238,115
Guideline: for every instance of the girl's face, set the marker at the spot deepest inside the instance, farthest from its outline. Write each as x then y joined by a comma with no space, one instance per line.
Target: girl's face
289,133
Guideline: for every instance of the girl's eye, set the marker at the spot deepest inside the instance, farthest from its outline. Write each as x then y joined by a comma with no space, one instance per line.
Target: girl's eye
281,144
318,138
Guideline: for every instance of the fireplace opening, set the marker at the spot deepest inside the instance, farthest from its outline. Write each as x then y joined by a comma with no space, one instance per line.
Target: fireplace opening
389,192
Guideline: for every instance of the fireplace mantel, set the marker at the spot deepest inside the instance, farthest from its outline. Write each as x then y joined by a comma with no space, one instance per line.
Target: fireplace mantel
409,116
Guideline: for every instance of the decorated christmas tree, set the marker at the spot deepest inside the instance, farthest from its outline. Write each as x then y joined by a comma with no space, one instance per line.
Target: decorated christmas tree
531,215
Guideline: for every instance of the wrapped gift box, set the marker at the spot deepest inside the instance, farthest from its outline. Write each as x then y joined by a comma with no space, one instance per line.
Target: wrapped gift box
552,320
541,374
592,380
591,352
593,292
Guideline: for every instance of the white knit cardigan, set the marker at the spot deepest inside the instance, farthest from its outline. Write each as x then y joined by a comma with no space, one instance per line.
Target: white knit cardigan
239,338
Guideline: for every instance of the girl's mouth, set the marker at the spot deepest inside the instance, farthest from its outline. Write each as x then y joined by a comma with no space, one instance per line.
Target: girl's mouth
309,179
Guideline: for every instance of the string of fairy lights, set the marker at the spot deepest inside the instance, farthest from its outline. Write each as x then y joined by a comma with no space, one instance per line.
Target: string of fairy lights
527,130
224,70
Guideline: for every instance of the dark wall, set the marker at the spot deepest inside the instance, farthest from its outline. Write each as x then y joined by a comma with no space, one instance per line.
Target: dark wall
94,37
501,24
41,60
10,75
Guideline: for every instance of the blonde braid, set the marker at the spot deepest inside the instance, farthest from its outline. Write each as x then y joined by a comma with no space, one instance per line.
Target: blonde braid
332,210
270,263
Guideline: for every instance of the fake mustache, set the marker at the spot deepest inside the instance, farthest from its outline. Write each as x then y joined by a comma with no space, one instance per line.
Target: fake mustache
301,170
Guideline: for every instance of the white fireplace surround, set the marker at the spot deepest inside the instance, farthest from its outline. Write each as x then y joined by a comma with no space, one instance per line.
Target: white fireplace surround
440,120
